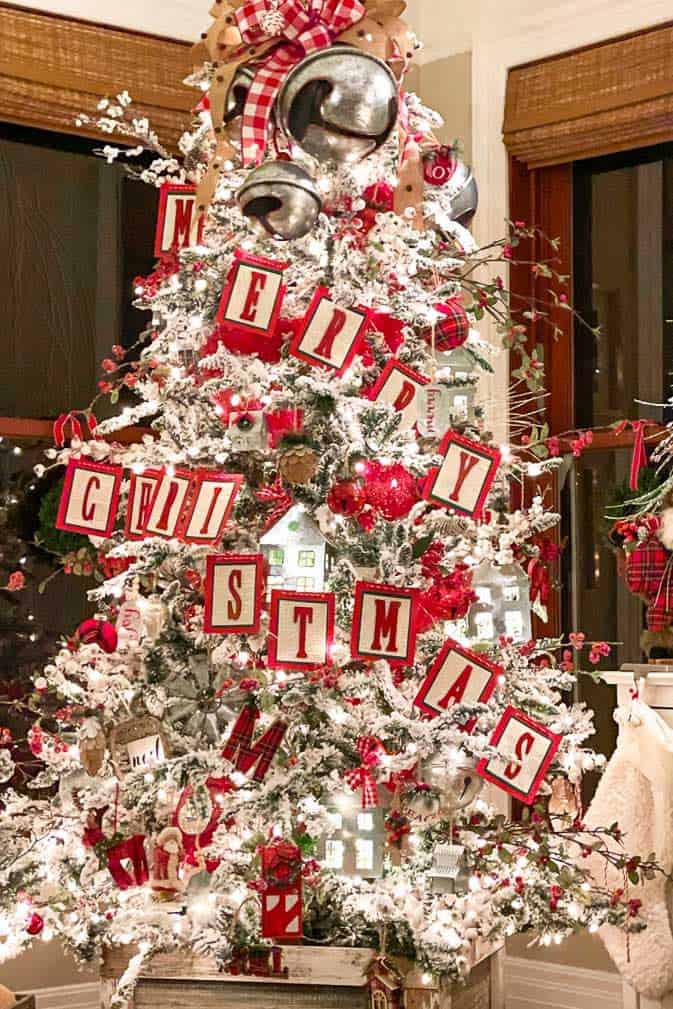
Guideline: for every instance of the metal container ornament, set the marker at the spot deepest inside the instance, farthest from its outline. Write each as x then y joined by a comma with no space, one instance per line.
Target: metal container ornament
503,605
339,104
456,781
280,199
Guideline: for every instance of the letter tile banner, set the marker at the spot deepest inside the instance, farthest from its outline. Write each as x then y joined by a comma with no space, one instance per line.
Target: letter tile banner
90,498
330,336
170,497
301,629
234,590
384,623
464,479
142,489
457,676
525,751
400,385
178,224
209,508
253,295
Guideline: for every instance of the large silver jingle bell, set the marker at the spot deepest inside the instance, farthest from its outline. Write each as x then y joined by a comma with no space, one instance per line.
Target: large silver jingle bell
236,98
458,783
339,104
280,199
466,199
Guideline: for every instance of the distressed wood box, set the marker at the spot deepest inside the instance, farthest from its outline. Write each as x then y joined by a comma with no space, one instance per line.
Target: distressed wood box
317,978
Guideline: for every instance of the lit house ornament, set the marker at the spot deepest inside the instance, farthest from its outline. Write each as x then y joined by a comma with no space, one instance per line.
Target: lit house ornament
503,604
355,845
296,552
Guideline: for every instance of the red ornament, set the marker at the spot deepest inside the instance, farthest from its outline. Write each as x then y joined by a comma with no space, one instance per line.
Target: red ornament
98,632
35,924
380,195
452,330
346,498
439,166
391,489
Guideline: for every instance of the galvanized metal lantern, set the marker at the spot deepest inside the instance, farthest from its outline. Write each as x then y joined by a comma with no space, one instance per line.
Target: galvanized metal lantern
503,604
355,846
297,553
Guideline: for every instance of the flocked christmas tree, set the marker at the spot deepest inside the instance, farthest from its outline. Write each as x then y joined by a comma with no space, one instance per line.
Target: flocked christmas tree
315,647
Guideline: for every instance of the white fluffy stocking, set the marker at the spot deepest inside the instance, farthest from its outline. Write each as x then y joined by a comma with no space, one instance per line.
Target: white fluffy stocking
637,791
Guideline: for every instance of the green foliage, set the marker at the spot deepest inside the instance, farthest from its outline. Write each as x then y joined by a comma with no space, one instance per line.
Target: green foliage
48,536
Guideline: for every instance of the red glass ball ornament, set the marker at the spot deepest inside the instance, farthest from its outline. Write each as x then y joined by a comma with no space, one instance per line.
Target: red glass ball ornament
452,329
35,924
98,632
391,489
346,498
439,166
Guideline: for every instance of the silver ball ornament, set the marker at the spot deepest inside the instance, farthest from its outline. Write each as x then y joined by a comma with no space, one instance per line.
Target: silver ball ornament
458,784
280,199
466,199
339,104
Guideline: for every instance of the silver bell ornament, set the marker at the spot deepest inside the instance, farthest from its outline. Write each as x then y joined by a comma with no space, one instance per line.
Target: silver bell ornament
465,200
280,199
339,104
236,98
456,781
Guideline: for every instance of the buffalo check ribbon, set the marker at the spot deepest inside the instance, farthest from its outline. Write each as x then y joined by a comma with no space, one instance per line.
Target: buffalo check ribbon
306,28
361,777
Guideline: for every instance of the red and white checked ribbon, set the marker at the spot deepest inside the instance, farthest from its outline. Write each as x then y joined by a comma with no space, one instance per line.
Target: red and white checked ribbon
277,495
369,749
306,29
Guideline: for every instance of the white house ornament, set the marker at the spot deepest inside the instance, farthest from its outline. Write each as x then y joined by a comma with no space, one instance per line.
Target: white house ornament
354,847
339,104
503,604
280,200
296,553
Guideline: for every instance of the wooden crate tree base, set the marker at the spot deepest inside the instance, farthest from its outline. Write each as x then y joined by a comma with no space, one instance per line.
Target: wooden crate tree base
329,977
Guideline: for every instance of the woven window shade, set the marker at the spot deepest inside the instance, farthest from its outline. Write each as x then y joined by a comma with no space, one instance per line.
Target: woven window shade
609,97
52,68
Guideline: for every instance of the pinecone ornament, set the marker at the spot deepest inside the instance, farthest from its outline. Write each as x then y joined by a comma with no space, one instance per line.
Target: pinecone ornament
298,464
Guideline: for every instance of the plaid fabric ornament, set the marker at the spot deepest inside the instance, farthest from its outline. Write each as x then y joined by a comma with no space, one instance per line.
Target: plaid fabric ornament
645,569
451,329
660,610
306,27
240,750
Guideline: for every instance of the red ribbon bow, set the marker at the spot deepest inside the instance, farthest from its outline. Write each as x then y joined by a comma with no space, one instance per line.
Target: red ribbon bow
639,457
369,749
538,572
305,30
76,429
277,495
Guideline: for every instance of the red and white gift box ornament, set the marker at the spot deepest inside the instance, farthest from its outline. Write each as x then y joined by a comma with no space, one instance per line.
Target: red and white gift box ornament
384,624
179,226
253,295
463,480
89,498
142,489
234,590
282,909
330,335
400,386
211,504
301,629
168,500
457,676
525,752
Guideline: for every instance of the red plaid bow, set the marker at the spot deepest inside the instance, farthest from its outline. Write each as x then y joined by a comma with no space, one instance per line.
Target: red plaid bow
279,497
76,428
369,749
306,29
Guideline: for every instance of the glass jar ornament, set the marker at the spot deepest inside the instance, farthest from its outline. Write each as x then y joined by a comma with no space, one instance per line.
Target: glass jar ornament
503,604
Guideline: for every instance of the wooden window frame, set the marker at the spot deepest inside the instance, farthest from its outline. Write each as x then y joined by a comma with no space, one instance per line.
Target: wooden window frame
614,96
52,68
